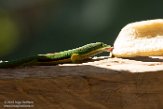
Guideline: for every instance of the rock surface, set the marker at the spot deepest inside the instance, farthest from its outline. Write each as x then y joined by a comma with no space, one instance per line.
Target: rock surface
114,83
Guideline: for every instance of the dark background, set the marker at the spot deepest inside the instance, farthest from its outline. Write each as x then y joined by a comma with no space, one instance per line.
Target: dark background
29,27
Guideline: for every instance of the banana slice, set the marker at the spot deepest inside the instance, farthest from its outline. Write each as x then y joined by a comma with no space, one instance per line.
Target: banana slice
144,38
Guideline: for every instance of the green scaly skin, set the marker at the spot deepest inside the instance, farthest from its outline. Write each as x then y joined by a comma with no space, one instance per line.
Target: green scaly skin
69,56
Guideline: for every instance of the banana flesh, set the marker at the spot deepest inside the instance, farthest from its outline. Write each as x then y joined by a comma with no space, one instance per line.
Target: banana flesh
144,38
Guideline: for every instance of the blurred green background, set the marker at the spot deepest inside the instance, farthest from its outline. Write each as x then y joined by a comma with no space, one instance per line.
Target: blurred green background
28,27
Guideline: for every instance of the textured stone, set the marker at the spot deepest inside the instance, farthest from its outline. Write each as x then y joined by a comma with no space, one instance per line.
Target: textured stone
113,83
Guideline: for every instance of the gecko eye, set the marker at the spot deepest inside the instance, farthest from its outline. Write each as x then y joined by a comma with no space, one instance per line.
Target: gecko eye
104,45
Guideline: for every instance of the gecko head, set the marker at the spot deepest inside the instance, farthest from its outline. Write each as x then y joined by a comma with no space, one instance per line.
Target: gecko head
105,47
94,47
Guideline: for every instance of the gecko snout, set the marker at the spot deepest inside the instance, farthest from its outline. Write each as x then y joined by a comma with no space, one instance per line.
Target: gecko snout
109,49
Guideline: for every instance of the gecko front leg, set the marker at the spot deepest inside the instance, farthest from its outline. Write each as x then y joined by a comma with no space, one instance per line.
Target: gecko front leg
75,58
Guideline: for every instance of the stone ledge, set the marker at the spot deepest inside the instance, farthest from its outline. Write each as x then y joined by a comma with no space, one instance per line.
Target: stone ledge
112,83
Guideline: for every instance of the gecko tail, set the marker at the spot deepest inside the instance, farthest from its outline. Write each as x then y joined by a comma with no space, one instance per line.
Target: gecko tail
19,62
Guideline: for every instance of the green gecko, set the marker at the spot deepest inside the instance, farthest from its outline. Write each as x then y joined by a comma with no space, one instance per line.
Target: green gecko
69,56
